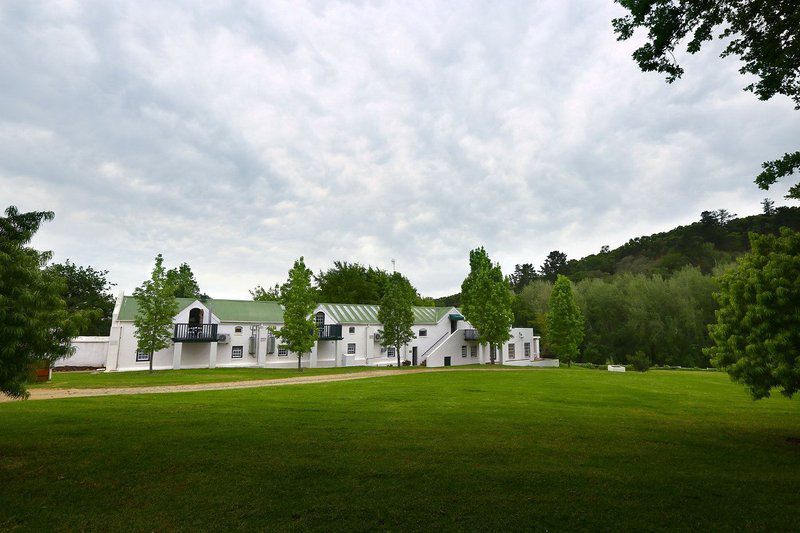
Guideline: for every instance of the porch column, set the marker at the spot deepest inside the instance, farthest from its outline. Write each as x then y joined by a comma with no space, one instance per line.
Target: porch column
336,352
261,358
500,354
480,354
176,355
312,358
536,348
212,355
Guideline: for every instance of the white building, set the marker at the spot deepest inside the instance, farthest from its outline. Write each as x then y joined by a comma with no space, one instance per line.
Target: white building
241,333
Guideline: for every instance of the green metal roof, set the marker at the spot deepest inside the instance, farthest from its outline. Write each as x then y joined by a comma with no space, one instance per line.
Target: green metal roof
368,314
225,310
272,312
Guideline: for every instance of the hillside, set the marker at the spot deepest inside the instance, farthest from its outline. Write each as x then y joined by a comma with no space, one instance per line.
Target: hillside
715,239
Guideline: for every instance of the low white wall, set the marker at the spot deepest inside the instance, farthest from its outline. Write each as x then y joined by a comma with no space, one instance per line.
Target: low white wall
545,362
89,351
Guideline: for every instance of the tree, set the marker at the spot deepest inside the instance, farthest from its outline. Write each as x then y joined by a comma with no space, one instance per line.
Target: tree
396,315
564,321
184,283
486,300
35,325
523,274
757,331
354,283
260,294
554,264
157,308
768,207
87,290
298,300
764,34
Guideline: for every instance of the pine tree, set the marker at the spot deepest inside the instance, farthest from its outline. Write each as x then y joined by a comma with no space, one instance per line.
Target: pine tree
298,300
396,315
157,309
486,300
564,321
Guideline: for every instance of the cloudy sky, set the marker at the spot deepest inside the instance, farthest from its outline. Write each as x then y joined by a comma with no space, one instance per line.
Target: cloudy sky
239,136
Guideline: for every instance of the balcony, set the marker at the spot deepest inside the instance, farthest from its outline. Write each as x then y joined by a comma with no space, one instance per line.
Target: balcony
195,333
471,334
330,332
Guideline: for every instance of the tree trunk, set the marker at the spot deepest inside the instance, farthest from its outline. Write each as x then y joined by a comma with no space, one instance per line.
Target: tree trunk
299,365
491,352
397,352
151,361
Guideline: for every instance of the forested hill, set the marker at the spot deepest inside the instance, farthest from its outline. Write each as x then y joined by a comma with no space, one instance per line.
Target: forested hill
717,238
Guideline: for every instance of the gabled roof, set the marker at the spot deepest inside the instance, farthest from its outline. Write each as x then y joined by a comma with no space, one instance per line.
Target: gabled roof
368,314
225,310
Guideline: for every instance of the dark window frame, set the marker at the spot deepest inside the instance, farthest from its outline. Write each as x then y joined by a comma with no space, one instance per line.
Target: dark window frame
142,357
233,352
349,344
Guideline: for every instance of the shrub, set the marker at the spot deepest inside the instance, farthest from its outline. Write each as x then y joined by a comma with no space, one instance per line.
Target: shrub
640,361
406,362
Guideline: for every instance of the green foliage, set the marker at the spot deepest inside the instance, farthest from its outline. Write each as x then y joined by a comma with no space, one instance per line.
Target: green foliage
765,35
87,291
354,283
298,299
554,264
183,282
487,299
35,324
522,276
757,332
564,321
157,309
639,361
396,315
260,294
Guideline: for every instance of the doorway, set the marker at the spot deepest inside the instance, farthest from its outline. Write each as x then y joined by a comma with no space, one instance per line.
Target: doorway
447,361
414,355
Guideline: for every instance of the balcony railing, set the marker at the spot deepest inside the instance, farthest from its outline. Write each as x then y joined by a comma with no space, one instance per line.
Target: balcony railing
471,334
330,332
195,333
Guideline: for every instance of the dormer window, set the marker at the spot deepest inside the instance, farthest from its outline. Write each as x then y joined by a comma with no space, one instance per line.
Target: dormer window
319,319
237,329
195,316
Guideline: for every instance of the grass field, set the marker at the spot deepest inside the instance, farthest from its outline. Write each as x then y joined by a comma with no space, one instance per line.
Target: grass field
526,449
100,380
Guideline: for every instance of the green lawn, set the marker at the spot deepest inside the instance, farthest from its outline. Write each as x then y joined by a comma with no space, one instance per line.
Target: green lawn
101,380
527,449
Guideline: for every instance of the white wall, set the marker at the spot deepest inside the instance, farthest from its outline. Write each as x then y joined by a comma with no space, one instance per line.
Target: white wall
89,351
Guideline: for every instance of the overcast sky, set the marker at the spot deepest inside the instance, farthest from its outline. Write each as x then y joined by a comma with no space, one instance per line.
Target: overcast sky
243,135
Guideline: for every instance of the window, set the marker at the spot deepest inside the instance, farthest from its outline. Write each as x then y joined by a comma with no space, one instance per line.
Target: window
473,350
283,350
512,351
142,357
351,348
527,348
463,351
423,333
352,329
236,352
390,351
319,319
195,316
237,329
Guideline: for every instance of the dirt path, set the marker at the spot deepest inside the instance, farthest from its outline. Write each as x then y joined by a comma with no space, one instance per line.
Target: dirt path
49,394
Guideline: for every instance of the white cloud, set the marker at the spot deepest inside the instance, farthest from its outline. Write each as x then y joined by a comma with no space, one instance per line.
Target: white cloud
238,136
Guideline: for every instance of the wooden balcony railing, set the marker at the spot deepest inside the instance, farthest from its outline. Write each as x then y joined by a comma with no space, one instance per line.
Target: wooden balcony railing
195,333
471,334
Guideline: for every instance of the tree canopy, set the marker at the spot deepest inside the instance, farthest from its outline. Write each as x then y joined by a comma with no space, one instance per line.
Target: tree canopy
184,283
35,324
396,315
157,308
564,321
87,290
298,299
260,294
486,300
554,264
757,330
354,283
763,34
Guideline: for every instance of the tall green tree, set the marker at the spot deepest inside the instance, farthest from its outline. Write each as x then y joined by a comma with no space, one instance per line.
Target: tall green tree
354,283
87,290
157,308
260,294
523,274
396,315
564,321
486,300
763,34
184,283
298,299
757,332
35,325
554,264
